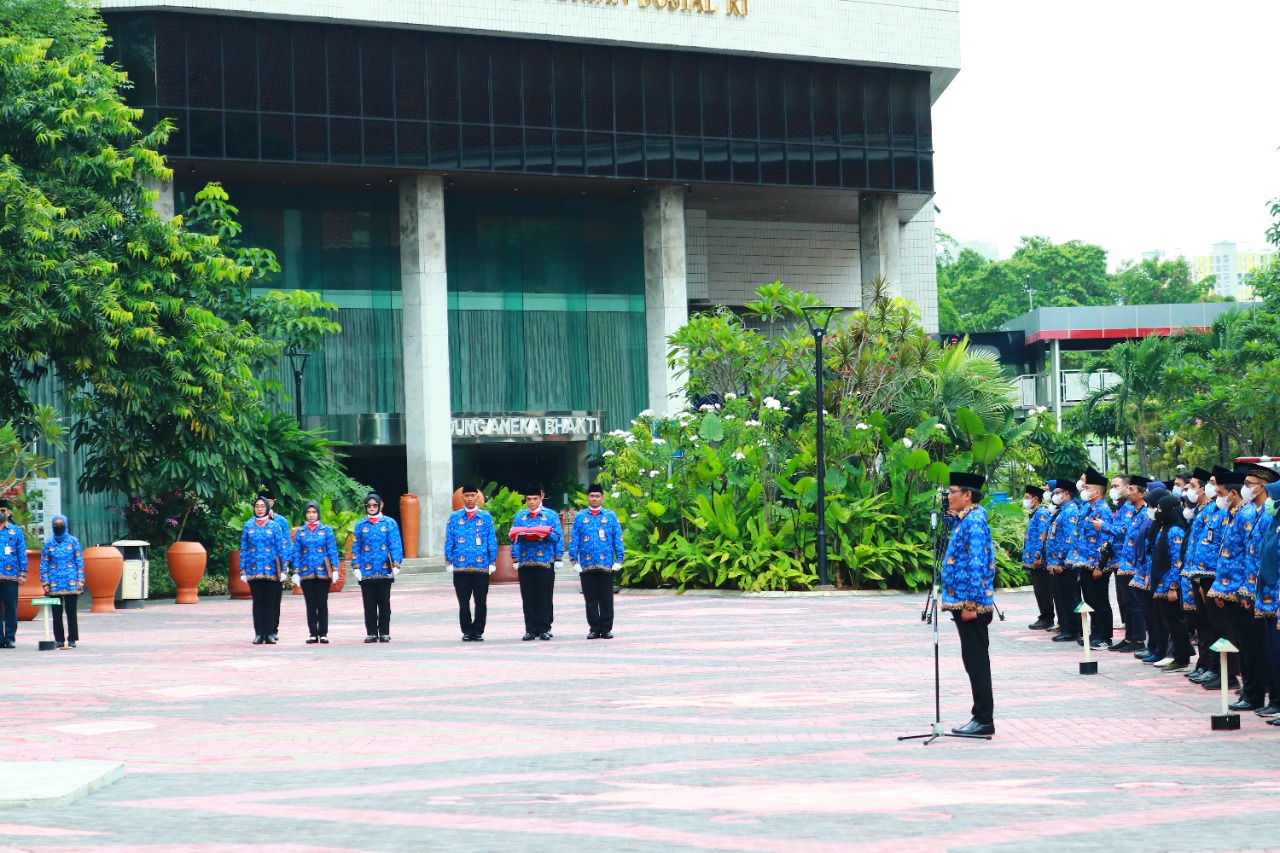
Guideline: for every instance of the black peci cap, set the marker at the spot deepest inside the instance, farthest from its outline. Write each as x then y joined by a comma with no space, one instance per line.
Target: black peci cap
965,480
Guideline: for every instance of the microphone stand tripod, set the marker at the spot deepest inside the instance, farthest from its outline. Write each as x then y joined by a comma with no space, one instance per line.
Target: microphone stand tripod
931,615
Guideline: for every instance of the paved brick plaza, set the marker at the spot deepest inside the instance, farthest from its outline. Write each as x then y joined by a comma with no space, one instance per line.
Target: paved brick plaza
741,724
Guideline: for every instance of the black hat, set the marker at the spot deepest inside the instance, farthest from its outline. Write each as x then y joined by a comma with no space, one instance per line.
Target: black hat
1202,475
533,489
965,480
1262,472
4,503
265,492
1094,478
1139,481
595,489
1153,497
469,487
1035,491
1067,484
1227,478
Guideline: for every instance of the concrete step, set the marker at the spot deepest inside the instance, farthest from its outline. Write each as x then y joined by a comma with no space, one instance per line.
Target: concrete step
422,566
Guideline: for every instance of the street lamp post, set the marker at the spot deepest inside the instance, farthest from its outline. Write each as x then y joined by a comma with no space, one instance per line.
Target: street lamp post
819,317
298,361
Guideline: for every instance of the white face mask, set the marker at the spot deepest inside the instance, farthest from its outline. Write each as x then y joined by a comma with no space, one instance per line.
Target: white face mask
1116,494
1059,498
1192,495
1188,513
1047,497
1248,493
1151,513
1210,490
1223,502
1027,503
1177,491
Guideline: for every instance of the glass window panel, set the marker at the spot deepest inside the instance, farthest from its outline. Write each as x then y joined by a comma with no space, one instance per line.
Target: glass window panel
535,63
204,63
799,165
569,152
442,79
379,142
657,93
853,168
902,103
205,133
309,67
879,170
715,96
343,52
375,74
600,154
715,160
825,112
773,165
926,171
537,150
567,70
628,91
178,138
742,99
826,166
344,140
171,61
799,106
508,149
685,83
630,154
657,157
411,143
275,67
876,95
598,88
313,139
688,151
772,106
277,137
905,176
442,152
476,146
746,161
924,116
473,77
410,65
852,122
504,92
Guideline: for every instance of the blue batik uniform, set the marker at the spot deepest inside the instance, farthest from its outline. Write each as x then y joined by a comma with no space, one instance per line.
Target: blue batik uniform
288,535
377,548
595,543
1267,602
1128,563
263,549
1229,579
1037,534
1206,541
1142,553
310,550
538,552
62,563
470,541
1172,577
1117,530
1061,531
13,554
969,568
1087,542
1262,524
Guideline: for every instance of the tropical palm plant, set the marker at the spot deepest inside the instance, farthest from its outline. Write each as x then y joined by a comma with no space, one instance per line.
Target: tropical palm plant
955,378
1132,405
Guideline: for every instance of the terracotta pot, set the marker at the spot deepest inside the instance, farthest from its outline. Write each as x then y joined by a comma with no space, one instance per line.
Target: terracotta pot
187,561
239,589
506,572
344,569
409,520
31,589
297,589
103,568
457,499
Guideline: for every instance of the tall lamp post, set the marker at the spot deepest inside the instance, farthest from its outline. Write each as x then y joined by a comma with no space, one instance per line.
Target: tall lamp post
298,361
819,317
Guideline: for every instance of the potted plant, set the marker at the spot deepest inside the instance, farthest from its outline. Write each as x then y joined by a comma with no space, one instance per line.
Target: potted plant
503,506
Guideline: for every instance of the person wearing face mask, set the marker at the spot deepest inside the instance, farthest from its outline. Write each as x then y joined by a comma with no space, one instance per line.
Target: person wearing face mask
1166,576
1180,481
1064,579
537,543
1090,557
315,569
470,555
62,576
1231,593
1202,564
596,551
1256,480
1115,530
262,566
1196,511
1033,546
282,522
376,554
1267,603
1155,637
13,574
1135,627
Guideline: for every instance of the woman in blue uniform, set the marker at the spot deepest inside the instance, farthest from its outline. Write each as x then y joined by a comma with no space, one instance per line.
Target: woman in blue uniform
263,552
62,576
375,561
315,568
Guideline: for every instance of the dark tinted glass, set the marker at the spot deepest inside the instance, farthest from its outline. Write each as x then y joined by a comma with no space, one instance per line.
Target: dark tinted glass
379,142
657,158
685,93
309,70
715,160
411,143
343,47
535,60
277,137
240,58
171,62
770,92
904,171
205,133
688,154
715,96
742,99
924,120
569,152
537,150
508,149
799,106
410,67
597,80
875,92
826,166
902,102
442,79
242,136
375,74
504,91
312,139
567,76
442,146
275,68
853,129
599,154
630,153
799,165
825,105
879,168
473,79
204,64
657,93
344,140
476,147
628,91
773,163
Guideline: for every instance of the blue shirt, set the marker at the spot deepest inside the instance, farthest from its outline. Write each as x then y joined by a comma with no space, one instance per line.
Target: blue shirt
1262,524
263,550
595,542
62,565
538,552
470,541
1206,541
1128,553
969,568
376,548
1037,533
1117,529
1087,542
310,550
1172,577
13,553
1062,532
1229,580
1267,602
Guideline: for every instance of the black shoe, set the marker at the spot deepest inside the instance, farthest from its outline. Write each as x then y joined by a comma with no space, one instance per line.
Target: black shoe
529,635
372,638
385,638
1269,711
324,641
1210,683
466,638
1100,646
1274,721
1064,638
606,635
477,638
1195,673
257,641
311,641
545,635
1243,705
271,641
593,636
1141,653
1039,625
973,727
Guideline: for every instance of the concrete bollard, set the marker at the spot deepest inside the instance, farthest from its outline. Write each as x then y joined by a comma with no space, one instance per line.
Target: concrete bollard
1226,721
1088,666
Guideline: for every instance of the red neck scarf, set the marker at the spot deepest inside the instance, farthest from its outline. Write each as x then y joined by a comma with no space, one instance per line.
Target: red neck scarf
595,510
261,522
312,525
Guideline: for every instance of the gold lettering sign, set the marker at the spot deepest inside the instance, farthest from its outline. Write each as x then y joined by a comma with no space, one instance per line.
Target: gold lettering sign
731,8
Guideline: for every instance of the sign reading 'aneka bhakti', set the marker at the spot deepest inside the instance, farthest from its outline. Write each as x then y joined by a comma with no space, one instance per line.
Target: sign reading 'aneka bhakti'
728,8
526,426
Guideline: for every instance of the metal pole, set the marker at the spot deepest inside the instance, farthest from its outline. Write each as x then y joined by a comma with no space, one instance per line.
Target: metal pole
822,466
1055,361
297,394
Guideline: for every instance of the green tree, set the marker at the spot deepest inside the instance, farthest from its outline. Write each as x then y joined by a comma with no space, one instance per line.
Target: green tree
1155,281
1133,402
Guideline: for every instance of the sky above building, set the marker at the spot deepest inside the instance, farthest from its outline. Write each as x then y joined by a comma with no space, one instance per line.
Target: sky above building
1133,124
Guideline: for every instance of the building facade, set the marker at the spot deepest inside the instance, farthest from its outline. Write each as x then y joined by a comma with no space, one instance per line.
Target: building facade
512,203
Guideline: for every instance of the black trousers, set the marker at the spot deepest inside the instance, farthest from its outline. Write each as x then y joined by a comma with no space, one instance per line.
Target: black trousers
1136,628
377,606
1122,603
469,585
315,592
1175,621
597,589
1066,595
1223,626
1206,633
1043,588
8,610
975,651
1096,592
266,606
1157,634
1252,643
537,586
67,604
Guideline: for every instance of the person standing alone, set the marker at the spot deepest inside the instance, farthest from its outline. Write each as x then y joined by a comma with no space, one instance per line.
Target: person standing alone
62,575
968,591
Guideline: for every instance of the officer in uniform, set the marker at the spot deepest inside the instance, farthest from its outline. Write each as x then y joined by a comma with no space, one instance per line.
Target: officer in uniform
1157,638
262,566
1033,554
470,552
1199,566
13,574
1116,530
1091,559
968,591
376,554
596,551
537,543
315,569
1064,579
1267,604
1217,531
1195,511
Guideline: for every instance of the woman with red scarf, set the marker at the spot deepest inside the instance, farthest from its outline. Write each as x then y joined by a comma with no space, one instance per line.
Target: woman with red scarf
264,548
315,567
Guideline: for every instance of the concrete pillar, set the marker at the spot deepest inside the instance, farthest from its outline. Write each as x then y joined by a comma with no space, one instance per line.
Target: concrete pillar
427,412
879,242
164,204
1055,387
666,290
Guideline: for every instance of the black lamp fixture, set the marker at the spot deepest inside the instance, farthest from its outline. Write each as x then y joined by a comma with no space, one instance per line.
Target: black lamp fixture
819,318
298,361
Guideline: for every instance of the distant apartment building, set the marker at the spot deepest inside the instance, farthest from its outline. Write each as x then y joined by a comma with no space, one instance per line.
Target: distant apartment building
1234,266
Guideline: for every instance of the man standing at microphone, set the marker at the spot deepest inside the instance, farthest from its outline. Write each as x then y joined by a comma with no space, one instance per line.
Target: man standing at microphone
968,591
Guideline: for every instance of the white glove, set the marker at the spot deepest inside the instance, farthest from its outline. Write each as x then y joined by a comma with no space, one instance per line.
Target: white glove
356,572
333,577
515,565
395,570
296,578
448,568
492,568
617,566
244,578
558,564
577,568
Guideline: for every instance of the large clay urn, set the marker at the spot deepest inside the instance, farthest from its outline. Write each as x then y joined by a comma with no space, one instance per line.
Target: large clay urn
506,572
187,561
239,589
103,568
409,520
31,589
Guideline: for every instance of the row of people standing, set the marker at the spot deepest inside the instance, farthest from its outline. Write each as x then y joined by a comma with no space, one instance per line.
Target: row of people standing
1195,560
61,577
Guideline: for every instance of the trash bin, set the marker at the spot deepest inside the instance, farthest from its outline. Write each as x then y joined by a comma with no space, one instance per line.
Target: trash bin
135,581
